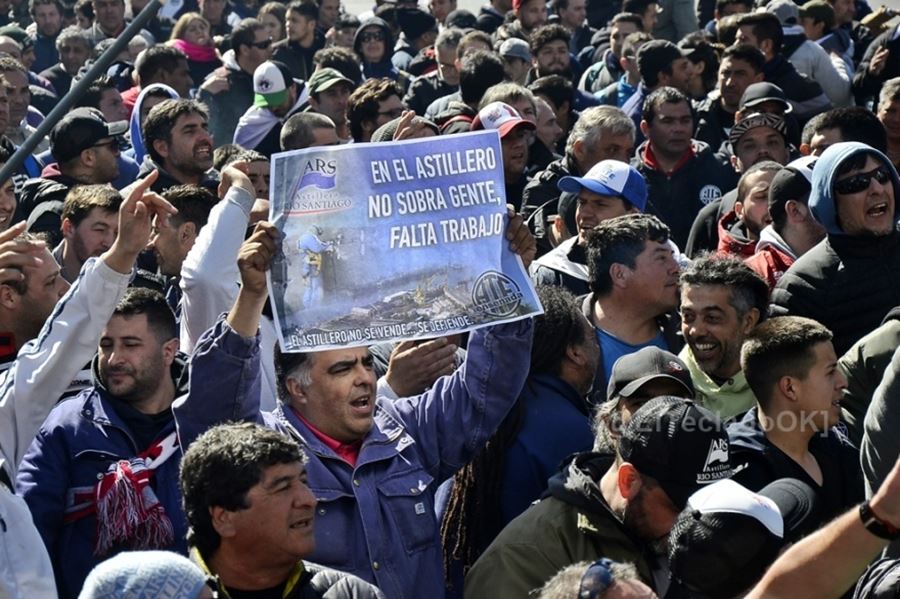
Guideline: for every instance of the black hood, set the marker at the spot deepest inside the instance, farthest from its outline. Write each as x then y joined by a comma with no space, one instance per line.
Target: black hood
385,29
577,480
894,314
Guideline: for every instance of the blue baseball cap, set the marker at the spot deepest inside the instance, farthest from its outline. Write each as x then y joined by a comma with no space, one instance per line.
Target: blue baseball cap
611,178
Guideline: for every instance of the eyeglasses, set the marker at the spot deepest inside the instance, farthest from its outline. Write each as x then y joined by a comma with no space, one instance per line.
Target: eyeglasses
372,36
112,144
263,44
596,579
861,181
393,113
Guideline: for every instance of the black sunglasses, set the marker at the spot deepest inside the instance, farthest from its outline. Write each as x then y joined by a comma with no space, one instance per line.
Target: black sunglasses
113,144
861,181
263,44
372,37
596,579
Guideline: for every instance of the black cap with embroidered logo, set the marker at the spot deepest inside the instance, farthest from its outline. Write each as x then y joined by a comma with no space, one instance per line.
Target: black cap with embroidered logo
680,444
632,371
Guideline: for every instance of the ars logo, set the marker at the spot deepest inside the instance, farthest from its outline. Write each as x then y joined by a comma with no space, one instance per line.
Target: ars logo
718,454
708,193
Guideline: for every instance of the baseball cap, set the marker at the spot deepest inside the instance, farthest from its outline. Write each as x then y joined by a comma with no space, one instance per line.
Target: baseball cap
515,48
727,536
500,116
792,182
819,11
656,55
757,119
79,130
271,80
326,78
763,91
611,178
786,11
679,443
632,371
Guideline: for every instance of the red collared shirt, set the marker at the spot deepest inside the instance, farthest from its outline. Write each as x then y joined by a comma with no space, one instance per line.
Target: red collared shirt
650,160
349,452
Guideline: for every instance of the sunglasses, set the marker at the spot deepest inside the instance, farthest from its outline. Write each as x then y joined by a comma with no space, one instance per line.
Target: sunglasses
861,181
596,579
263,44
372,37
112,144
393,113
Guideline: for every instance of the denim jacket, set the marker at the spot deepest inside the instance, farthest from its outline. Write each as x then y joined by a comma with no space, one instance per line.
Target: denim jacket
375,520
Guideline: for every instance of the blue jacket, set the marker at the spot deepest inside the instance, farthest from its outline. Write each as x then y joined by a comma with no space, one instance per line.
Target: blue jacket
81,437
375,520
556,424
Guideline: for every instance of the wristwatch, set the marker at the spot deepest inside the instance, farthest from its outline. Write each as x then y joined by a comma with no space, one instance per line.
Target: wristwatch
876,525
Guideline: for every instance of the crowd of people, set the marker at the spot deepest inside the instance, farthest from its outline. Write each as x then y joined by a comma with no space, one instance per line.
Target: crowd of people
704,195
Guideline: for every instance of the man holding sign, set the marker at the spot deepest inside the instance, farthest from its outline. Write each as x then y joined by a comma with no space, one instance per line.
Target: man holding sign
374,465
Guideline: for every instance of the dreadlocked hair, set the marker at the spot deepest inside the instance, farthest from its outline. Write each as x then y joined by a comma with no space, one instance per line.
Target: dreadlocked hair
473,518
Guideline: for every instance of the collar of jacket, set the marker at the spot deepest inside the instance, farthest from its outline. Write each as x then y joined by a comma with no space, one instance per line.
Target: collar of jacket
865,246
215,582
649,158
385,439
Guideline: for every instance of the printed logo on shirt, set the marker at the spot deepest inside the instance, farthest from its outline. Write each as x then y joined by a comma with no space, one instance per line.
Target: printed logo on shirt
708,193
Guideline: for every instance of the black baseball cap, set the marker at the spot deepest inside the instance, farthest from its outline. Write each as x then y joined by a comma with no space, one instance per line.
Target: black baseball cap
656,55
763,91
79,130
680,444
632,371
792,182
727,536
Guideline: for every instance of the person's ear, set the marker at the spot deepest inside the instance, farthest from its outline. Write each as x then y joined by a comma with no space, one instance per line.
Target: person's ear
9,297
628,481
739,209
223,521
170,350
187,233
787,386
295,390
67,228
619,274
645,128
750,320
161,147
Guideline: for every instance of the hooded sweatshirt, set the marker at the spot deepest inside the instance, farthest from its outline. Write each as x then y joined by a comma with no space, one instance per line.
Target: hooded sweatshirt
384,67
773,256
846,282
733,237
134,125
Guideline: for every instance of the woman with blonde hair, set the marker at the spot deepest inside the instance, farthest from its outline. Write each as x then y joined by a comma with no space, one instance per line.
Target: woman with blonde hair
191,35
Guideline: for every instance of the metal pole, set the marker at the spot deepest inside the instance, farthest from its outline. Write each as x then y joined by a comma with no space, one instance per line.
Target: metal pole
65,103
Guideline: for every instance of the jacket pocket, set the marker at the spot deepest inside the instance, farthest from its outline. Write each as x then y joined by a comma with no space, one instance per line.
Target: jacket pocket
337,545
408,498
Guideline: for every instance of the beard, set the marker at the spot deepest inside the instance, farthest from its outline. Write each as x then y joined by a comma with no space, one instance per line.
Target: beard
138,385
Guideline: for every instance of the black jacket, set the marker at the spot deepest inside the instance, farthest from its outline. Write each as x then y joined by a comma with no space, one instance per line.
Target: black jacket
540,198
866,85
425,90
488,20
757,462
41,204
710,127
805,95
677,198
297,58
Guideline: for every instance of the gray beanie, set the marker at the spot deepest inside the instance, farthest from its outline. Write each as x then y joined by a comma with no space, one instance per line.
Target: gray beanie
144,575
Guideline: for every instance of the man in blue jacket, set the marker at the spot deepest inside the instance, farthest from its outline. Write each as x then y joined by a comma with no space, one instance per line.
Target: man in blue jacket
373,465
101,476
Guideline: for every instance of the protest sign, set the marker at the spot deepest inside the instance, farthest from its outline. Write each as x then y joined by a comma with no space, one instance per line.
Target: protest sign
385,242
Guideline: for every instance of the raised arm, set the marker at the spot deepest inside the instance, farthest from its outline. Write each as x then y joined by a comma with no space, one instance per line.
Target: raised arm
209,275
46,365
225,365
